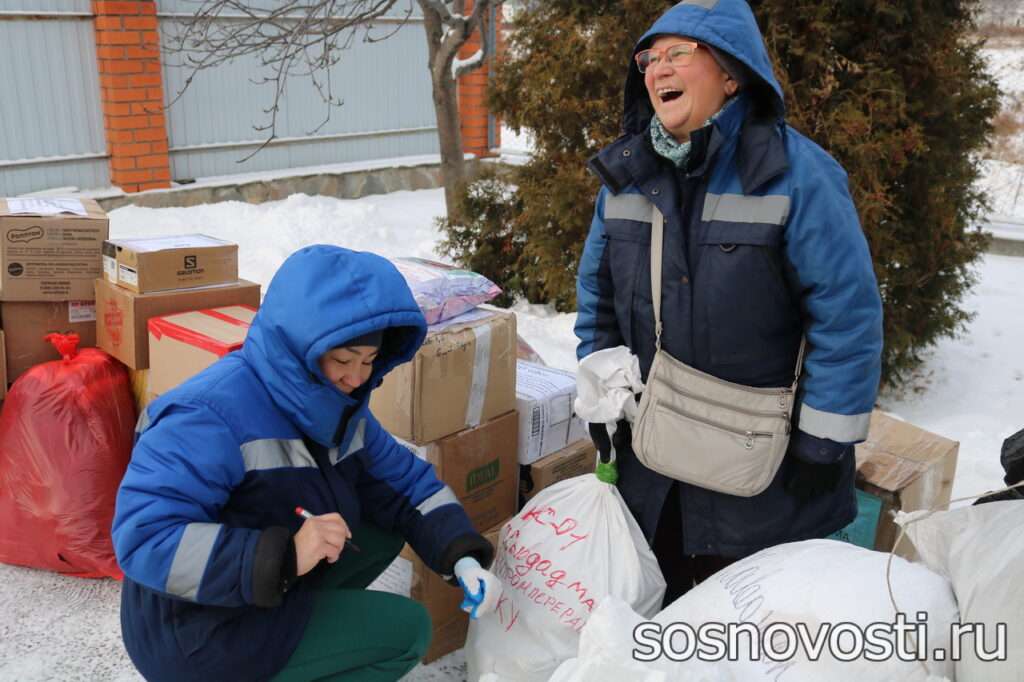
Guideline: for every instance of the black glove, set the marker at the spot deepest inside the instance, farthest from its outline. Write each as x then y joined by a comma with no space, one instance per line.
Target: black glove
1012,458
621,440
599,434
817,465
808,479
623,437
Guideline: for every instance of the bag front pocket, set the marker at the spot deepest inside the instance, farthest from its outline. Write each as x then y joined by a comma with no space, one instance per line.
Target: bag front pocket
708,454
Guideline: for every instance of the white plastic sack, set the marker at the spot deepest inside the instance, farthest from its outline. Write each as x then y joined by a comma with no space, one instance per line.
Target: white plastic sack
606,383
574,544
981,550
814,583
603,655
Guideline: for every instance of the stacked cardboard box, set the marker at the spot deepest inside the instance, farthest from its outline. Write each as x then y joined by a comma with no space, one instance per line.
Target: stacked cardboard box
454,406
479,465
544,399
188,281
462,376
50,253
183,344
573,460
906,468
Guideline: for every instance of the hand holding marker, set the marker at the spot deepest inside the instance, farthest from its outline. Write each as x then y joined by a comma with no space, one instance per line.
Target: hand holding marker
299,511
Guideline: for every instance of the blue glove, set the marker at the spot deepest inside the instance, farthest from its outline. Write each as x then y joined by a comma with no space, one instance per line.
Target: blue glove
480,587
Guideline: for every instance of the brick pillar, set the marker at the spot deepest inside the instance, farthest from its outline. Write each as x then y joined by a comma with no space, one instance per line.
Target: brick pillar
131,89
473,110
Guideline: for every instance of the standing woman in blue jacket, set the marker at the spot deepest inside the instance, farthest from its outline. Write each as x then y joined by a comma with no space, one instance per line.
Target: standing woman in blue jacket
223,580
762,246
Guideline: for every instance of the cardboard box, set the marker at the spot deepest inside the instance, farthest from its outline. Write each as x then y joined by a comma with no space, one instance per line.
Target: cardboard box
479,465
183,344
463,375
544,398
907,468
50,249
122,315
140,388
574,460
3,366
150,264
26,323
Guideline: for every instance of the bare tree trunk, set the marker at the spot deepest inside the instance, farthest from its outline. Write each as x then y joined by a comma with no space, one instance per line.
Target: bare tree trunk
446,108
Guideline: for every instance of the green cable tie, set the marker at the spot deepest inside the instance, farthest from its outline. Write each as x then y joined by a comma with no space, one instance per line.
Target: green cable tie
607,472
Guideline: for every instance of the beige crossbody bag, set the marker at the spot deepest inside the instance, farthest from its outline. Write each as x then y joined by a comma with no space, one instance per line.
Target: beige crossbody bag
703,430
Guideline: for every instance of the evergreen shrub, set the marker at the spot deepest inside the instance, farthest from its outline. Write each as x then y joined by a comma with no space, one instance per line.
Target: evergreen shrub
896,90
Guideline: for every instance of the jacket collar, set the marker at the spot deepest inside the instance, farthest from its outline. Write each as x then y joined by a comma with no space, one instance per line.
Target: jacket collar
756,144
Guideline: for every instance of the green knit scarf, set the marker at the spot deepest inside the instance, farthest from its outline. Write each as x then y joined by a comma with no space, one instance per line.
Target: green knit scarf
668,146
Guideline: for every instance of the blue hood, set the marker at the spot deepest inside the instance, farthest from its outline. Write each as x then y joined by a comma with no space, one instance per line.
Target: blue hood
728,25
321,297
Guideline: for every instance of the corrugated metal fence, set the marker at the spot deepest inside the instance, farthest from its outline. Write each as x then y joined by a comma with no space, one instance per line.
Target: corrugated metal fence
51,121
51,130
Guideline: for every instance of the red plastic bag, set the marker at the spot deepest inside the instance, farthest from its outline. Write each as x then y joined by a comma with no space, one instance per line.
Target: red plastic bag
66,435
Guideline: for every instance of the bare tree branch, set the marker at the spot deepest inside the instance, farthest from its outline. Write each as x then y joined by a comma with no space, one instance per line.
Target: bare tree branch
306,38
296,38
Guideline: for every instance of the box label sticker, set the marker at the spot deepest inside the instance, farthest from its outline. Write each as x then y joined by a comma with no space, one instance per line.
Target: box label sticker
110,269
81,311
127,275
46,206
484,475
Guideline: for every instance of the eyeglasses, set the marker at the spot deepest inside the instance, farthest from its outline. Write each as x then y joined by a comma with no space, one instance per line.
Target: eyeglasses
679,54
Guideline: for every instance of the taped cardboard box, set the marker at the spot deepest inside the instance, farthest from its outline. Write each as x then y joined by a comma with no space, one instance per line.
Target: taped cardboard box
544,398
183,344
50,248
122,315
462,376
26,323
479,465
574,460
907,468
150,264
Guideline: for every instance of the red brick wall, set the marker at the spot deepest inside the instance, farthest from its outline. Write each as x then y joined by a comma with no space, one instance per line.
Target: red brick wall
131,90
473,97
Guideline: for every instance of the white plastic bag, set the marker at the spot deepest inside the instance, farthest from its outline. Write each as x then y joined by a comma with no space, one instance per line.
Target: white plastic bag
604,653
606,383
574,544
981,550
813,583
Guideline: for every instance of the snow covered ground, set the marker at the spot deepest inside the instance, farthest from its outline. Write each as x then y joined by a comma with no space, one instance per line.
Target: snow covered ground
971,389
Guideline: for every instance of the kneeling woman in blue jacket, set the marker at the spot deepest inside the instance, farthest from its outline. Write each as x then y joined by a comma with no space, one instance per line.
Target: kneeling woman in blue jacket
223,581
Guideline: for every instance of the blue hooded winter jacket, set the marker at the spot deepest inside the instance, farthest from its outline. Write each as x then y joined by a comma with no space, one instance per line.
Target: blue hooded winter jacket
762,245
205,513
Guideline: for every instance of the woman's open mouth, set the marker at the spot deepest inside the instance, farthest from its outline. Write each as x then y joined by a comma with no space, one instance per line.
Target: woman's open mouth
669,94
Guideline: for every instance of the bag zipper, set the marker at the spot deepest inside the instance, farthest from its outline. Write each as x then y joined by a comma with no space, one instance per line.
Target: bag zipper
712,401
782,391
749,435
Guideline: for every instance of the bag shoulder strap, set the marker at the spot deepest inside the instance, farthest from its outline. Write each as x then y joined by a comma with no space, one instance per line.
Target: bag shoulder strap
657,245
657,238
